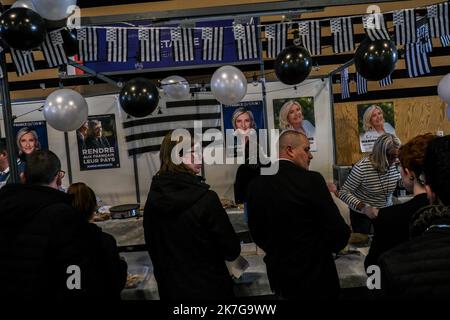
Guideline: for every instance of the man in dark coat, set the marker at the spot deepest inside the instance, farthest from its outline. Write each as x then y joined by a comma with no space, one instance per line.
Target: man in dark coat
40,236
293,218
420,267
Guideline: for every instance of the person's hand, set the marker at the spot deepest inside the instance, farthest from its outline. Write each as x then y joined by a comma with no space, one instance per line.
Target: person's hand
332,188
370,211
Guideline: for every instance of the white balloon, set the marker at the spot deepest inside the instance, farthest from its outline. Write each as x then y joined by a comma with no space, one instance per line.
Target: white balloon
65,110
53,9
444,88
24,4
229,85
175,87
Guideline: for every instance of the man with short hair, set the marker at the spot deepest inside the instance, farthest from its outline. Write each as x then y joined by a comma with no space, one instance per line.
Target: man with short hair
41,235
293,218
4,164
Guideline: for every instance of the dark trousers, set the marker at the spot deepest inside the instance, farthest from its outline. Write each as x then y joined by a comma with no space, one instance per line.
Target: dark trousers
360,222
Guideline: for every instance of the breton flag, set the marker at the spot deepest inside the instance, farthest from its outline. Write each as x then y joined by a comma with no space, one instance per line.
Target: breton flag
150,45
417,61
117,40
375,27
276,35
361,84
23,60
445,41
146,134
182,44
53,49
405,26
438,16
87,44
342,31
309,32
386,81
423,35
212,43
246,41
345,89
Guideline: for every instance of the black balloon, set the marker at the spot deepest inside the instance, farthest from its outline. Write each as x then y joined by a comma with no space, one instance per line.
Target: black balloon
293,65
70,43
375,60
139,97
22,28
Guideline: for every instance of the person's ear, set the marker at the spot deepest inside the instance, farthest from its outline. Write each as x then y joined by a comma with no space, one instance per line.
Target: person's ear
411,175
430,194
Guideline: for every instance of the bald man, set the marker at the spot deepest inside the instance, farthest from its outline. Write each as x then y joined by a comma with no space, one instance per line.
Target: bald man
293,218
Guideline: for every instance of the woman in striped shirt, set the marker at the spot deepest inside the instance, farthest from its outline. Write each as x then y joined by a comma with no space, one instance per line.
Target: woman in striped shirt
371,183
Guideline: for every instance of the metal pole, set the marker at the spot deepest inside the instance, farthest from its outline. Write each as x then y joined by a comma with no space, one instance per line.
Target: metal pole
263,88
94,73
333,127
136,179
69,165
7,118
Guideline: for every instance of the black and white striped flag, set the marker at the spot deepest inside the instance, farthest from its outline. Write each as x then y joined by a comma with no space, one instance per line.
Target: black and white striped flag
438,15
146,134
276,35
386,81
417,61
149,44
117,44
423,35
445,41
375,26
345,88
53,49
310,32
361,84
246,41
342,31
23,60
88,44
405,26
182,44
212,48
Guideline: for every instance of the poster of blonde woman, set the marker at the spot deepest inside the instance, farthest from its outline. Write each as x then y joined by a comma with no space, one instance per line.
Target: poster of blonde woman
296,114
374,119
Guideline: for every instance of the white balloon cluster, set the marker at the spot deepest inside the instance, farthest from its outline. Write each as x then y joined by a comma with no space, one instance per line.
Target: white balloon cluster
175,87
24,4
229,85
444,88
51,9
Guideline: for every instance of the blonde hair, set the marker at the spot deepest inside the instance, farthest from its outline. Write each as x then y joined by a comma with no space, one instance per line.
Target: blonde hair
385,144
24,131
240,111
284,112
165,156
367,125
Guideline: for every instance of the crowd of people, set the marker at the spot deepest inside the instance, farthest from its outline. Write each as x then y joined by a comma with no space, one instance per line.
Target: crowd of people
51,249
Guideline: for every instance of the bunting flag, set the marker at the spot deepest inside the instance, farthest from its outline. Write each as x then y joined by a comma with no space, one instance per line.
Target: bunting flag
361,84
386,81
149,44
23,60
417,61
246,41
87,44
445,41
182,44
146,134
342,31
310,33
405,26
438,16
53,49
117,44
423,35
276,35
375,27
212,43
345,89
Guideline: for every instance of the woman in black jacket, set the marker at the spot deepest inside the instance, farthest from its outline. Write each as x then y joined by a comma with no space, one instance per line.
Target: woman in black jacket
187,232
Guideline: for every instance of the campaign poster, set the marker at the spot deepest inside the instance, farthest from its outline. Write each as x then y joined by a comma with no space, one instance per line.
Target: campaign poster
30,136
97,143
297,114
374,119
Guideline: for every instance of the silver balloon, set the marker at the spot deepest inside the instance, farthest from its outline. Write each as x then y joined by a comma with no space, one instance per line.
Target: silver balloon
229,85
53,10
24,4
444,88
175,87
65,110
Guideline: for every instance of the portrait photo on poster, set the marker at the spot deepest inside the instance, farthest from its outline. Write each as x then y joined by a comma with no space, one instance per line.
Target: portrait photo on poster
97,143
30,136
297,114
374,119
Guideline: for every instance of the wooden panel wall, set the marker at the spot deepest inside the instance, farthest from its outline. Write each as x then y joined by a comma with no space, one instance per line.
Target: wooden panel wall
413,116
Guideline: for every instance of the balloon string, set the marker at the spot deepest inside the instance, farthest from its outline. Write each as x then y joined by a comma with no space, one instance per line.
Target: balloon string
24,114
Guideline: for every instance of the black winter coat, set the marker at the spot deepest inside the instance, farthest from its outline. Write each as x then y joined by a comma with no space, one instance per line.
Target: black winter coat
293,218
189,237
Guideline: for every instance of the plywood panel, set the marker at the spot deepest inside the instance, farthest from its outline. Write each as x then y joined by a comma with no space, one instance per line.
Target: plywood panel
412,117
